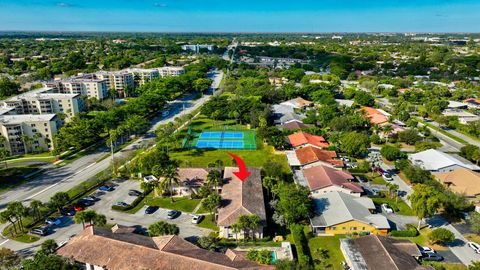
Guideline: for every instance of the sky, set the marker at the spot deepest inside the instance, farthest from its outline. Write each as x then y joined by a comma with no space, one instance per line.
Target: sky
241,16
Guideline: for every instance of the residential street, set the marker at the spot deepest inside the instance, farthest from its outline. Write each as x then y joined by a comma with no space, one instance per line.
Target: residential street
66,177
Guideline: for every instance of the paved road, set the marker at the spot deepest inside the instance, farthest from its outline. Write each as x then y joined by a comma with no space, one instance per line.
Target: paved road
66,177
451,144
457,134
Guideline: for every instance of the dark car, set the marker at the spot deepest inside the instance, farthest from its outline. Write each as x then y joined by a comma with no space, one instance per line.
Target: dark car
151,209
69,211
92,198
431,257
172,214
106,188
41,231
85,202
133,192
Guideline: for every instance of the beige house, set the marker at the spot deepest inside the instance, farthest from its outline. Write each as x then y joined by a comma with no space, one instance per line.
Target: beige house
462,181
241,198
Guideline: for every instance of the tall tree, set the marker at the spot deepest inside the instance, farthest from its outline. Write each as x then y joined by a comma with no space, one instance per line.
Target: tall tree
212,202
58,200
426,200
170,178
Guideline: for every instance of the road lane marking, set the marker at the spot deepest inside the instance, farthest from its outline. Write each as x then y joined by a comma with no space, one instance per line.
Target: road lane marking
4,242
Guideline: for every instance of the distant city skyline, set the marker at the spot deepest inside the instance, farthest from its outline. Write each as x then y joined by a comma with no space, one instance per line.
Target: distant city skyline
244,16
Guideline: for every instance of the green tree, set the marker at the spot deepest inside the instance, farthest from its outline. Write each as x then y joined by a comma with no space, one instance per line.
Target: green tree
36,205
209,242
426,200
214,178
364,99
409,136
59,199
49,247
8,87
441,235
294,203
48,262
391,152
27,142
4,154
475,222
354,144
162,228
170,178
212,202
474,266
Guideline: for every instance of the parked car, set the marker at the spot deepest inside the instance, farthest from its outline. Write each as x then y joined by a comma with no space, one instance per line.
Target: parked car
428,250
68,211
387,176
53,221
76,207
151,209
172,214
121,204
196,219
133,192
41,231
387,209
165,113
375,191
92,198
431,257
106,188
474,246
86,202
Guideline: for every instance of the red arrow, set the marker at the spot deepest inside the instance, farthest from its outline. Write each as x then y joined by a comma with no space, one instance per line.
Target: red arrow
242,173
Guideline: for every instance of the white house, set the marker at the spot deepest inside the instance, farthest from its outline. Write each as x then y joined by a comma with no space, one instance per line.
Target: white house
437,161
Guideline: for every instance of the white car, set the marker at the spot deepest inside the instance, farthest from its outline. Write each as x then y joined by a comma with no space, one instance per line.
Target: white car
387,176
474,246
428,250
387,209
196,219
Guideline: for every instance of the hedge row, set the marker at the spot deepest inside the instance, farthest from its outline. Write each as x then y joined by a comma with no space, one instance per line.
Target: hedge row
133,204
410,232
301,244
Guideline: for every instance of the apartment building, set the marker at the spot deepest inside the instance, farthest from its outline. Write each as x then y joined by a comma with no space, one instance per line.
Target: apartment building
40,128
45,101
196,48
118,80
170,71
86,85
143,76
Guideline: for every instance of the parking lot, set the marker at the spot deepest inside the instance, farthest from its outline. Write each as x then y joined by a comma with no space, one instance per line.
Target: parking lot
104,206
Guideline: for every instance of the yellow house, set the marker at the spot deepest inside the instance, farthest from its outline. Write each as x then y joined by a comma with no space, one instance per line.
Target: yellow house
341,213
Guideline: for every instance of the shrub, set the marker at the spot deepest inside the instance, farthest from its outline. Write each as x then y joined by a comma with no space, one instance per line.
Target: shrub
301,244
263,256
391,152
441,235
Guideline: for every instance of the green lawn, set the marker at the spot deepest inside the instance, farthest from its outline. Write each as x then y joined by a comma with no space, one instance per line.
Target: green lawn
399,206
184,204
254,158
27,238
446,266
208,223
12,176
330,243
378,180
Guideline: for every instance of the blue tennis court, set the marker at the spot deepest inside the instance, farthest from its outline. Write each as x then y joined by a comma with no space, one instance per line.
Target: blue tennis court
232,144
221,135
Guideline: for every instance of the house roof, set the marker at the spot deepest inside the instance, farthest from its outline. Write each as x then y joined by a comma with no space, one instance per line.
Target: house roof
376,252
462,181
337,207
121,250
309,154
195,176
297,103
284,114
241,197
376,116
434,160
303,138
472,101
322,176
294,124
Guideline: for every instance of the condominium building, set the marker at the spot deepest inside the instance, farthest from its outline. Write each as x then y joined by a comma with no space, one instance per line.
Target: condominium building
143,76
85,85
196,48
118,80
171,71
45,101
39,128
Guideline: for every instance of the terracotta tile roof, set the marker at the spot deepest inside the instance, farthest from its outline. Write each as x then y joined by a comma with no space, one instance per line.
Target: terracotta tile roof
375,116
309,154
292,125
380,252
473,101
303,138
127,251
192,176
241,197
462,180
322,176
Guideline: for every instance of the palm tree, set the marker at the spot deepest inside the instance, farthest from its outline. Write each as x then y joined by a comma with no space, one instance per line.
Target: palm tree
7,215
214,179
36,137
27,142
19,210
170,178
35,206
113,136
3,156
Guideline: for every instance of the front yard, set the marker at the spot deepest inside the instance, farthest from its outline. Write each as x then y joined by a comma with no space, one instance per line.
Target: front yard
184,204
398,205
334,254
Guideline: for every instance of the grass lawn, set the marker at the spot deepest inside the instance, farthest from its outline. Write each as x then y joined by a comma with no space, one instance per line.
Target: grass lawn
446,266
184,204
377,180
12,176
26,238
330,243
399,206
253,158
422,239
208,223
473,237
